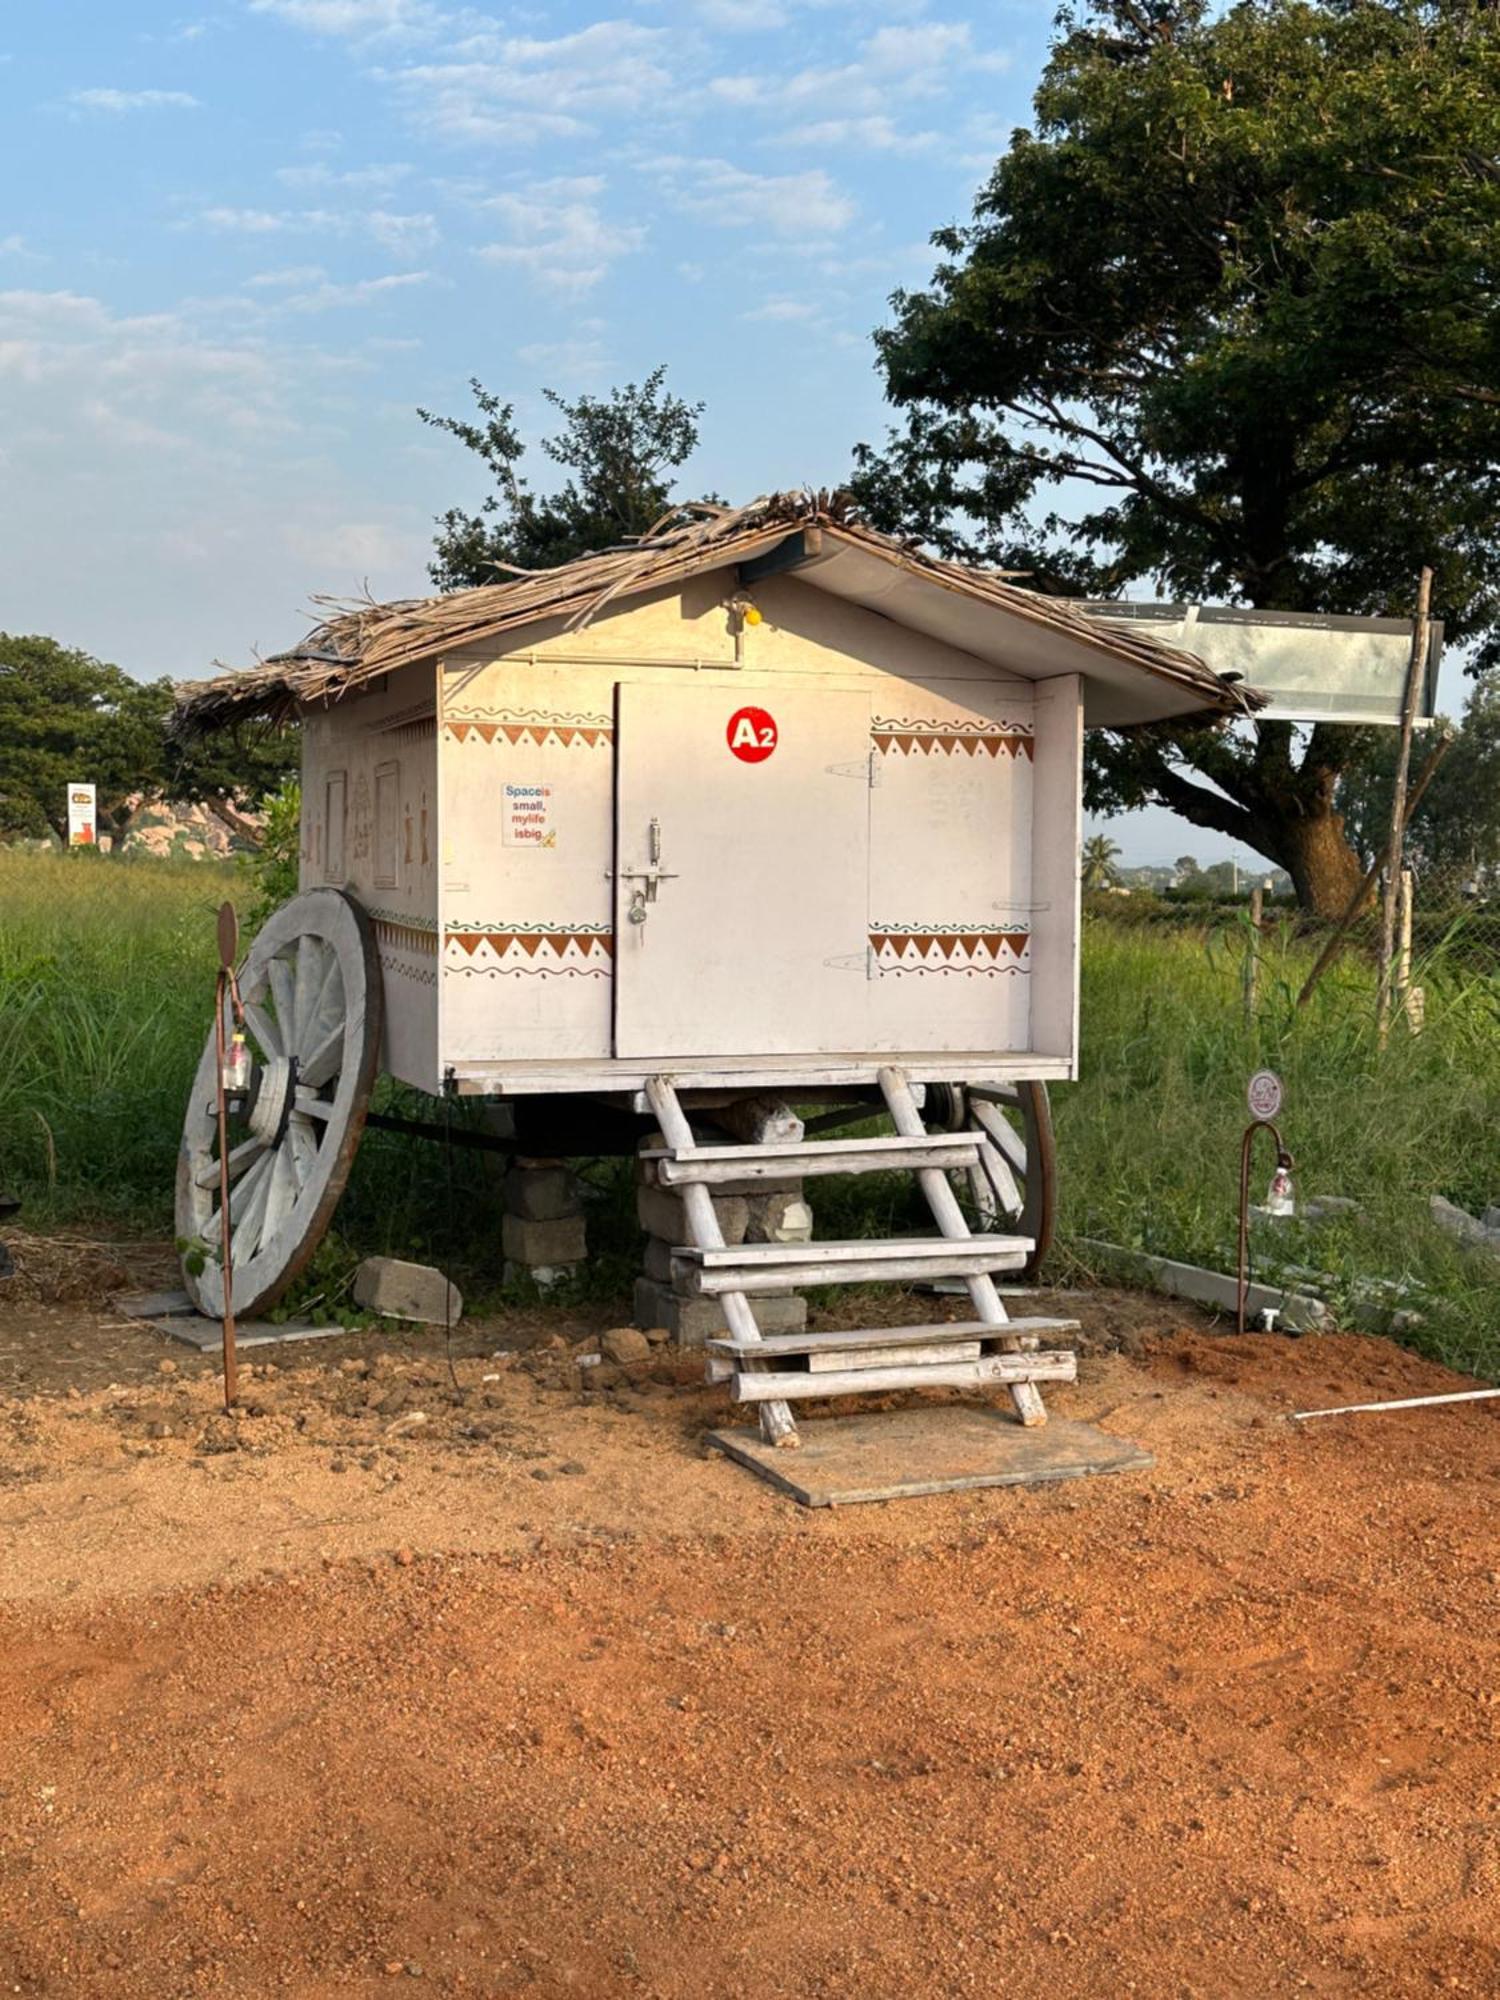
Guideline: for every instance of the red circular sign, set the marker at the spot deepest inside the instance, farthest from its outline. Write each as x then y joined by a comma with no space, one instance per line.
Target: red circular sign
751,734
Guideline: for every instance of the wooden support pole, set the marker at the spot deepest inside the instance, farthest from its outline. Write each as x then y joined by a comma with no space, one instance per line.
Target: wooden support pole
1414,678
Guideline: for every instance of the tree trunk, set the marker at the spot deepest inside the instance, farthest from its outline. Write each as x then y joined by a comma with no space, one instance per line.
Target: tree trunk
1324,868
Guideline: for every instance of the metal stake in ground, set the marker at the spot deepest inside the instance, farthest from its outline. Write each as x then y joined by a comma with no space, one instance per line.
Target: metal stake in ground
1265,1101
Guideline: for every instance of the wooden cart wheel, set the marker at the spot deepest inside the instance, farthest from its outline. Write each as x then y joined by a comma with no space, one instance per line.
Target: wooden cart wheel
1019,1189
310,986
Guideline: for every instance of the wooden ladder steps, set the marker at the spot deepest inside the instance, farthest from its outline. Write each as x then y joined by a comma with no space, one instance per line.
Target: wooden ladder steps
878,1346
777,1267
674,1167
787,1385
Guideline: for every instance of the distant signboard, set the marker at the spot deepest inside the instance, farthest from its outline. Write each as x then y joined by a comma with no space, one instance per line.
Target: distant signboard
1314,668
81,815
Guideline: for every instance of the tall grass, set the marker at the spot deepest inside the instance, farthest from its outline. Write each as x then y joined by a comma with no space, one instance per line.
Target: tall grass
106,985
1148,1138
106,993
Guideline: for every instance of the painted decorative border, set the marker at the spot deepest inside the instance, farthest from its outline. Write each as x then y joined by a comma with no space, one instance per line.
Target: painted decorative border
580,951
531,725
949,948
906,735
397,933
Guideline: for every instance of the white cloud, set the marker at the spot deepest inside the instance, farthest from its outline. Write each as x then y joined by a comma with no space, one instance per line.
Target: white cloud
806,207
362,19
557,234
518,90
360,180
783,309
12,246
401,233
858,104
131,100
361,292
742,16
290,274
873,134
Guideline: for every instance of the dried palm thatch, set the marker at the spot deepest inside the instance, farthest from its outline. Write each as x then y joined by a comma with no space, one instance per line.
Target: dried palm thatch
357,641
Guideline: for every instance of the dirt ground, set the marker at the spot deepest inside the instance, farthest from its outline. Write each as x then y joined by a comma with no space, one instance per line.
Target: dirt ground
514,1689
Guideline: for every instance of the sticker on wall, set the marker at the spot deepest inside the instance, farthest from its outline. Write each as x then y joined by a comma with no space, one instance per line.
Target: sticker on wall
751,734
528,816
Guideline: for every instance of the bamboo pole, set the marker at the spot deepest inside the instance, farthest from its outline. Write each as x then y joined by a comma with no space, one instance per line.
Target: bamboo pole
1403,942
1252,955
1414,677
1340,930
1397,1403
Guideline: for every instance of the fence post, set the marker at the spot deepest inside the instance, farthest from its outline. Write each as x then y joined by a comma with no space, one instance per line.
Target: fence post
1252,955
1393,870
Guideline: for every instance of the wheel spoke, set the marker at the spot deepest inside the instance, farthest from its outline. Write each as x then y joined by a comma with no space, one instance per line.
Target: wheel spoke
323,1061
239,1159
308,976
304,1148
325,1010
284,996
246,1234
1002,1134
282,1185
310,1105
264,1029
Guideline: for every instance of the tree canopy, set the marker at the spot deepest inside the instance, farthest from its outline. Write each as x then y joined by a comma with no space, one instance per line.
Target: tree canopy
620,452
66,717
1225,320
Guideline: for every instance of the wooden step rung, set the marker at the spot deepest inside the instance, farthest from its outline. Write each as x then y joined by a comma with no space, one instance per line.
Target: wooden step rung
826,1360
853,1250
786,1386
895,1355
773,1344
776,1162
961,1261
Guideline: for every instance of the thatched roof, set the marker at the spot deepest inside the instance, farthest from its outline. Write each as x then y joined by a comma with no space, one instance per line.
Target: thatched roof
978,609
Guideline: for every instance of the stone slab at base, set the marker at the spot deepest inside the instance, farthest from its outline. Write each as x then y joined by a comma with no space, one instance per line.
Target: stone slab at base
207,1335
692,1321
947,1448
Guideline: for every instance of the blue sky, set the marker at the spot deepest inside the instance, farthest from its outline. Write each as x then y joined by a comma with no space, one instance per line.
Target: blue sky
240,243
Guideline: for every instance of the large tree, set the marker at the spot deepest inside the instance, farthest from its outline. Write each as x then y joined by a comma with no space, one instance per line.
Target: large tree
620,452
1226,320
66,717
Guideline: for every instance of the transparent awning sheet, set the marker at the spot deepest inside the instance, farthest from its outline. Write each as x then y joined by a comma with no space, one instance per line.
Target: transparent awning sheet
1312,668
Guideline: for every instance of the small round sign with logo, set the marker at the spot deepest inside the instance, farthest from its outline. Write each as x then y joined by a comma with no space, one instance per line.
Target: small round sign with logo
751,734
1264,1095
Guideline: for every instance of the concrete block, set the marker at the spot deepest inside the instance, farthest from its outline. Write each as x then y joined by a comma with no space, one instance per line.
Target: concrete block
658,1261
659,1211
692,1321
399,1290
541,1194
1297,1312
560,1241
780,1218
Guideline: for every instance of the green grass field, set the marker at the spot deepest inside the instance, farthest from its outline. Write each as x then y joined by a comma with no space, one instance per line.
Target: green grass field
106,984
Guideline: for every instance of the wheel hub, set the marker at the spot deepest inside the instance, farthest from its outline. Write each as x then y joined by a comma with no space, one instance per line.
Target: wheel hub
272,1094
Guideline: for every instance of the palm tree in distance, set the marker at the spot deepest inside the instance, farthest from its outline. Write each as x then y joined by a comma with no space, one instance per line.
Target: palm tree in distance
1099,857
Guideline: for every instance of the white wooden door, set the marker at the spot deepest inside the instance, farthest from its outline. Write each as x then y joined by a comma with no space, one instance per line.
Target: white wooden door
742,857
